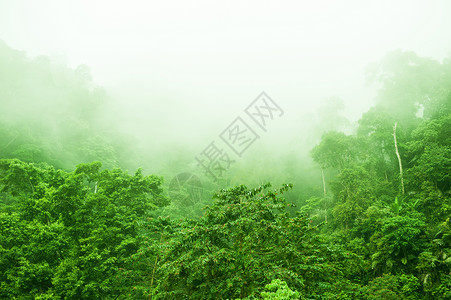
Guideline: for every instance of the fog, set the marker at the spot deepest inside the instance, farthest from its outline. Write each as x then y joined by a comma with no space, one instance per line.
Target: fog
177,73
225,150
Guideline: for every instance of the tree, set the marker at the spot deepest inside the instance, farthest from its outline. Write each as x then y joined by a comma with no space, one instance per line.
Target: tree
71,234
243,242
336,151
399,158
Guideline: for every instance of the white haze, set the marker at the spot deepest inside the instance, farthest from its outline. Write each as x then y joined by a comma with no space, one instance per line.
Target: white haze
183,70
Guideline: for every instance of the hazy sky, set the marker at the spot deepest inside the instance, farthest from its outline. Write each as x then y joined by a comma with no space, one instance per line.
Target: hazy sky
202,62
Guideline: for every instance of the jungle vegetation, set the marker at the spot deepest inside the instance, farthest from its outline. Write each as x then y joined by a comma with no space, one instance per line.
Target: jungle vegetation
368,219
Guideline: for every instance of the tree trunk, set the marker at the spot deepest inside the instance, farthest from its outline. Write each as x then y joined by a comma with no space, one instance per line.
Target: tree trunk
153,276
324,182
399,158
154,269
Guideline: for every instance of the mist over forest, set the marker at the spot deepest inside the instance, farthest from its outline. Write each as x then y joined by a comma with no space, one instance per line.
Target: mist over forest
249,150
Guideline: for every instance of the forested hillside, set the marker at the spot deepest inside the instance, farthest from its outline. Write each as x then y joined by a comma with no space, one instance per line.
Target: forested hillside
76,223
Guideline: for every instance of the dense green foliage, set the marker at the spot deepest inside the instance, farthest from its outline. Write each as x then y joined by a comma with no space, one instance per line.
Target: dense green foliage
50,113
69,235
72,229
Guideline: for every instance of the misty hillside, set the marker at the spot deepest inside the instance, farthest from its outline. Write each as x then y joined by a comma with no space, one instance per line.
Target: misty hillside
227,151
356,227
51,113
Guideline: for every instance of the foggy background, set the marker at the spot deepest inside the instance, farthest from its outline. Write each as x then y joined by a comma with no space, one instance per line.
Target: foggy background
179,72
